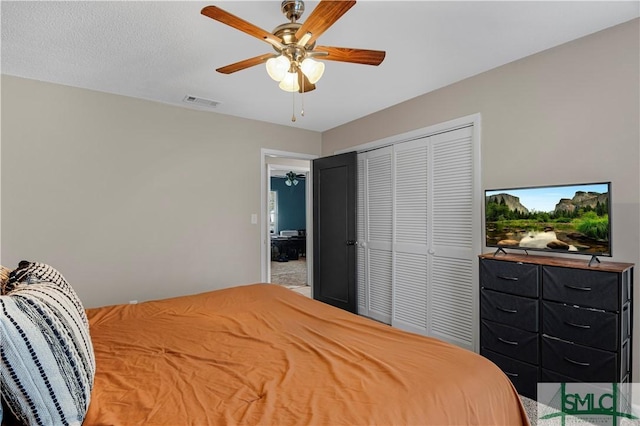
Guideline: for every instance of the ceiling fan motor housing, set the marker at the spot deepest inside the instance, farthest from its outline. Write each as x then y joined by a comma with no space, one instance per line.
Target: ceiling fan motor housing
292,9
287,33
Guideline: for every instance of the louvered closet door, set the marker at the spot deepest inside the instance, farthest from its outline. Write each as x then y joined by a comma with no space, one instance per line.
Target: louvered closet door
378,239
419,234
410,236
453,245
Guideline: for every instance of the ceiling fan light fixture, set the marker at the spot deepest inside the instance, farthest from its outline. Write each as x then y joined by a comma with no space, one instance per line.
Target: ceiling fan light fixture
277,67
291,178
312,69
290,82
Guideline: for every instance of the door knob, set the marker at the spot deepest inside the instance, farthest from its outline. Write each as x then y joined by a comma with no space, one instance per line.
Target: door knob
352,243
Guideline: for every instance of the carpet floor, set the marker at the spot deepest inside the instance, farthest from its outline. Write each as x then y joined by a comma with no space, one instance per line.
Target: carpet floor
291,273
531,408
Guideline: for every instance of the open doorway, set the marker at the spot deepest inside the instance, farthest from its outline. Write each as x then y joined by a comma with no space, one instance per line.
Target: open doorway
287,225
287,220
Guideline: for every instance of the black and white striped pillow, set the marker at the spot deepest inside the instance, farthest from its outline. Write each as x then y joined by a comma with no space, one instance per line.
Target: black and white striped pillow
46,356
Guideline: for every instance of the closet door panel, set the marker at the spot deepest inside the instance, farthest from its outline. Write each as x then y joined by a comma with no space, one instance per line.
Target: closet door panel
410,236
379,232
452,262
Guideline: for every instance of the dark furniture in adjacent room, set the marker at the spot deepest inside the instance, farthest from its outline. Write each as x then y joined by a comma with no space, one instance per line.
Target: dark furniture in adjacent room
288,247
550,319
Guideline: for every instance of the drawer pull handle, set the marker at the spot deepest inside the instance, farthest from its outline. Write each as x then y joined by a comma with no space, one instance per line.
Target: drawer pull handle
578,288
509,311
511,374
508,342
586,327
581,364
508,278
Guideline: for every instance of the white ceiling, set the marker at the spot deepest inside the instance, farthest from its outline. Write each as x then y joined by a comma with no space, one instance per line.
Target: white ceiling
164,51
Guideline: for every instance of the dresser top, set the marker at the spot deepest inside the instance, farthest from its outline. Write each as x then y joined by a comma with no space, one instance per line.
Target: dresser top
560,261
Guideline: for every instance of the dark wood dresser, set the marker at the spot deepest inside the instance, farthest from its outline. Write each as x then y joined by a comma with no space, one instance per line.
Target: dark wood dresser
549,319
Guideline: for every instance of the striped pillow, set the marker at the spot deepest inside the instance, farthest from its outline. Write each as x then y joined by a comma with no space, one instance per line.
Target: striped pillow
46,358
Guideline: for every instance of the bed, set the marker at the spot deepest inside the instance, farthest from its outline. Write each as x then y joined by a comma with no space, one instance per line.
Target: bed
264,355
250,355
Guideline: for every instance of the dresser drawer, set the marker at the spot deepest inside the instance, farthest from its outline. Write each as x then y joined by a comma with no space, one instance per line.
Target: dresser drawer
584,363
523,376
510,341
548,376
594,289
516,311
579,325
510,277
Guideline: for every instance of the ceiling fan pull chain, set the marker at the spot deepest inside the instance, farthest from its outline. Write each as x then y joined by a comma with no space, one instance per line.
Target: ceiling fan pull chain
302,97
293,108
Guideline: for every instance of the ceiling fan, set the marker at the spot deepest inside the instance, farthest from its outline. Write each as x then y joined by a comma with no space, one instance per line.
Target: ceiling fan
294,64
291,178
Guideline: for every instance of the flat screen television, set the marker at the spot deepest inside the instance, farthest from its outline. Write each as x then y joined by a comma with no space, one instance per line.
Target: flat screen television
571,219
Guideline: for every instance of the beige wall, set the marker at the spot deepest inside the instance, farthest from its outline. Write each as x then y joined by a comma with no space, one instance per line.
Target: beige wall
132,199
566,115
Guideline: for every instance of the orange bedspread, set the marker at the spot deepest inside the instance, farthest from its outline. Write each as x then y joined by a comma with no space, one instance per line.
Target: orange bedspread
264,355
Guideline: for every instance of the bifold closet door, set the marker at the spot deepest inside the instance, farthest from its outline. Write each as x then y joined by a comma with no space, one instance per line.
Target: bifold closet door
378,232
417,225
454,240
410,215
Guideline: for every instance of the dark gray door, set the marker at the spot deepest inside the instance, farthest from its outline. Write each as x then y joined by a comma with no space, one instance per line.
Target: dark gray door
334,230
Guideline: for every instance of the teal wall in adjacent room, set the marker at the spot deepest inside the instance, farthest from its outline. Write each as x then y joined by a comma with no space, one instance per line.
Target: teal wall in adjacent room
291,205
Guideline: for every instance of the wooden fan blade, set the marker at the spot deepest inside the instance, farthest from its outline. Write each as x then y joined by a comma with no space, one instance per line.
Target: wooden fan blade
323,16
247,63
304,84
233,21
346,54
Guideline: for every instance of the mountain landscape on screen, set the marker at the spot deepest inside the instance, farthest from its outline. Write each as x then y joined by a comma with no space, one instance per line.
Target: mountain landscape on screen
568,218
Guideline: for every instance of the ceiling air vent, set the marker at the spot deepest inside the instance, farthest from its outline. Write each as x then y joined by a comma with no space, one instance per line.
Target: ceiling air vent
200,101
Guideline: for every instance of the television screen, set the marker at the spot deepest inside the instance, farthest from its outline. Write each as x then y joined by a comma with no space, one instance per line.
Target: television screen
562,218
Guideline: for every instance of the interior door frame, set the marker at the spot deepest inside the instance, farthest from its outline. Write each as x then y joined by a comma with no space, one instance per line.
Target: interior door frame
265,239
